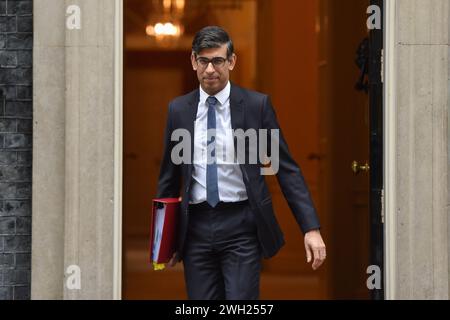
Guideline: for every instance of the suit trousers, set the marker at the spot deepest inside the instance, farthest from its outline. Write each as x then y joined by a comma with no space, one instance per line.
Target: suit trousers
222,257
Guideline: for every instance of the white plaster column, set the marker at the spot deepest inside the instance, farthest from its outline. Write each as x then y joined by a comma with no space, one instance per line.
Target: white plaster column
421,149
76,201
48,192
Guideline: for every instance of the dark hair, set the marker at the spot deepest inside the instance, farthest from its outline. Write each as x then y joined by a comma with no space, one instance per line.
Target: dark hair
212,37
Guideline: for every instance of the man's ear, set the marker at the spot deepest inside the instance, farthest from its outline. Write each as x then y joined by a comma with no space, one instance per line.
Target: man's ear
194,63
232,62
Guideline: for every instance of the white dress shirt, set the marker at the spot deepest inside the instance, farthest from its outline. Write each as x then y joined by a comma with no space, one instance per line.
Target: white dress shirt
229,175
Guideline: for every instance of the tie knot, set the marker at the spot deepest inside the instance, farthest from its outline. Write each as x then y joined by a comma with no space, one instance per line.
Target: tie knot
212,101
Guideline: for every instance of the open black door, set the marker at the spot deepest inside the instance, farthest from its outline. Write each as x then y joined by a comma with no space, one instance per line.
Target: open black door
376,149
370,62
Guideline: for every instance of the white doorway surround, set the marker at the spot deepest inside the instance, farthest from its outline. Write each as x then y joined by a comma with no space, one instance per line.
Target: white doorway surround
389,150
77,150
416,149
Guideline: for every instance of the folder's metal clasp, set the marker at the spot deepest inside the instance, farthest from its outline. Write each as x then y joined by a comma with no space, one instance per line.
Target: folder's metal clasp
158,266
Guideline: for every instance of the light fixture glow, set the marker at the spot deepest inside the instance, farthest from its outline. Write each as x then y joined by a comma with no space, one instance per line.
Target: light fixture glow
163,29
167,4
179,4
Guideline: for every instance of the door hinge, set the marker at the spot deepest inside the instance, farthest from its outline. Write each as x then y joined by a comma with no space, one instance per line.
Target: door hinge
382,206
382,66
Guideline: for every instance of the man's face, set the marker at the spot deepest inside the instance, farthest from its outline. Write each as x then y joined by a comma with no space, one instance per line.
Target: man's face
213,68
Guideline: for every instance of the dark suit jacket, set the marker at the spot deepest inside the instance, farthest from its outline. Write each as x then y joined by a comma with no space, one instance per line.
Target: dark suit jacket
249,109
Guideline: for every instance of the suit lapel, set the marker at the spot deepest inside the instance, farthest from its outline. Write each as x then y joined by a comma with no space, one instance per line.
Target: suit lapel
190,117
237,111
236,108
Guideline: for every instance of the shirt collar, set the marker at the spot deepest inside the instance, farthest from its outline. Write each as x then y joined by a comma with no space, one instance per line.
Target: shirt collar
221,96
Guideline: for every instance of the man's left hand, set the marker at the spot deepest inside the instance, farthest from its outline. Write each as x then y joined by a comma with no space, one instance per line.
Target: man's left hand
314,245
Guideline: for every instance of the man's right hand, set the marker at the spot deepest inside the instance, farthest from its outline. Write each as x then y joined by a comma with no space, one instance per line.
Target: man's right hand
172,262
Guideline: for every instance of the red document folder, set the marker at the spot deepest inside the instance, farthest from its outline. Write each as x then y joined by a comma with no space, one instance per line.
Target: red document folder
163,230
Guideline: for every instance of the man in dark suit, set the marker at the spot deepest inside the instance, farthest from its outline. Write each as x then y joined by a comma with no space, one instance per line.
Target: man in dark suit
227,223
